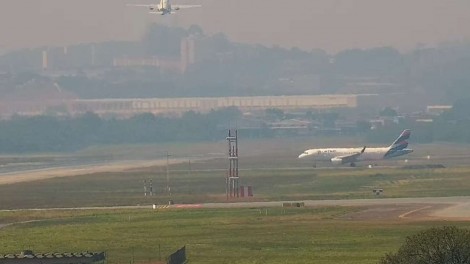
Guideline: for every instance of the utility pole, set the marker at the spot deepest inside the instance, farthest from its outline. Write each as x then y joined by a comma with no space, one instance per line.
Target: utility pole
189,168
145,187
168,189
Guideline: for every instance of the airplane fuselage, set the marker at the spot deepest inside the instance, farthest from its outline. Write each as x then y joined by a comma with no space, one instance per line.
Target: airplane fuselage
162,11
351,155
163,8
369,154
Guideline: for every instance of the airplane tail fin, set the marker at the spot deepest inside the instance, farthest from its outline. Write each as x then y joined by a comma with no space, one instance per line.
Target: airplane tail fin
401,142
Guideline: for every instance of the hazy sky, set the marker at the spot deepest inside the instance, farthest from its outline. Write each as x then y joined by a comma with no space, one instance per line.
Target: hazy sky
331,25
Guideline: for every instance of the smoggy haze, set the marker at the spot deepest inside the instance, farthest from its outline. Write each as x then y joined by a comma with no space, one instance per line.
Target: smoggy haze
327,24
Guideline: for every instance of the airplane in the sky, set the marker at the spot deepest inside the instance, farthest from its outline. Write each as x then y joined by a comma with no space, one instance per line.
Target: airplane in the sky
164,7
339,156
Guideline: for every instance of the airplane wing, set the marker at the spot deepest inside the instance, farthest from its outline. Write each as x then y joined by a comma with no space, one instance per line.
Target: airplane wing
348,158
140,5
184,6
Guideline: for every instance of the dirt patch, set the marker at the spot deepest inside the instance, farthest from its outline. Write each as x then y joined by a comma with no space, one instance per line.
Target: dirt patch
459,211
397,212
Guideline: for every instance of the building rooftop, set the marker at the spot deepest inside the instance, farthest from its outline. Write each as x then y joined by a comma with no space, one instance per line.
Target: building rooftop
76,257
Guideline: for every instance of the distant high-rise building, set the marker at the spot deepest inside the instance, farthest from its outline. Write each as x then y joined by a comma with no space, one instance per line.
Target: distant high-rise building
187,57
93,55
187,53
44,60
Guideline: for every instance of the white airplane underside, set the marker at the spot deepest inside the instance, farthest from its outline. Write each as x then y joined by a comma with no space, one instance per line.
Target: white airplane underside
339,156
164,7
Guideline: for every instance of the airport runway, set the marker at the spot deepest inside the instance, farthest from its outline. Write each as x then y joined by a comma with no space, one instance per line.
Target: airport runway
437,208
69,166
448,208
352,202
28,173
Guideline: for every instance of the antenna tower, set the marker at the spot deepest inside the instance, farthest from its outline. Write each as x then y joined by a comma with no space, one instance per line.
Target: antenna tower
232,179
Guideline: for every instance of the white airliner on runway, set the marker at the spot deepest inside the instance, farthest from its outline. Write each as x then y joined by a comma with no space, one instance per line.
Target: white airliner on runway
340,156
164,7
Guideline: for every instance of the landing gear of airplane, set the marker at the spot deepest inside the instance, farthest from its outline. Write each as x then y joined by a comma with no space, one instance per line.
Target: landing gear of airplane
314,165
352,164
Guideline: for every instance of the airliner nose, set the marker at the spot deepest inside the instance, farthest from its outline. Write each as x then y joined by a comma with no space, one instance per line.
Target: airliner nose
302,155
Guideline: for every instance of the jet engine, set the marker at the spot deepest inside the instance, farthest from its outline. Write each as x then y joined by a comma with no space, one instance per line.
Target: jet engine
337,161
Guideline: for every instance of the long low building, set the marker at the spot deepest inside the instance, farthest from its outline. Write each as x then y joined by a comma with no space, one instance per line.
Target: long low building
205,104
131,106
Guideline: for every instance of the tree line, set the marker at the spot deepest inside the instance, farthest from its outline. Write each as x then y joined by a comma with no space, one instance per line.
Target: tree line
451,126
55,134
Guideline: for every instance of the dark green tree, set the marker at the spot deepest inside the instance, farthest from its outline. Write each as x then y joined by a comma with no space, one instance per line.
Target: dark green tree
443,245
363,126
195,30
275,114
388,111
329,119
163,41
461,109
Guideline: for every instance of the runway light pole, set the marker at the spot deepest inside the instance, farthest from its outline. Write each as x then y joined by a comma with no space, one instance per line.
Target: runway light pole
168,188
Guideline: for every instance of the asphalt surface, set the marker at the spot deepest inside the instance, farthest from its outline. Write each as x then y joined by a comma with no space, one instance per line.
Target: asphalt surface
446,207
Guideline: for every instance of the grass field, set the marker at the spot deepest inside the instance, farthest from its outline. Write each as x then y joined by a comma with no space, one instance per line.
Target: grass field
275,235
126,188
305,235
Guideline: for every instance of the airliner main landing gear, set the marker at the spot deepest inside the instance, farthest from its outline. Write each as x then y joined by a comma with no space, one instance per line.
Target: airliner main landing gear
352,164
